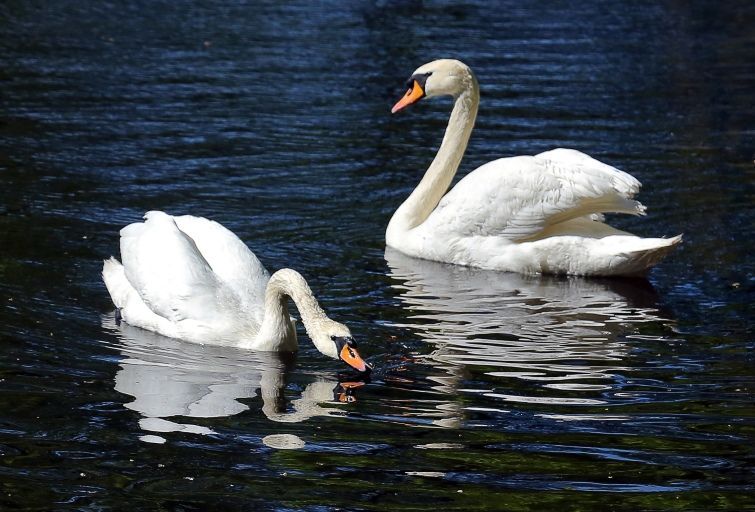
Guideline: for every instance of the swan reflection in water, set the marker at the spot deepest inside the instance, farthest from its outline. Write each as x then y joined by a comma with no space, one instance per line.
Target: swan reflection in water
170,378
566,334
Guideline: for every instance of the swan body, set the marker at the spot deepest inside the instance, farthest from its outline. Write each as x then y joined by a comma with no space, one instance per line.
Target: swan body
191,278
527,214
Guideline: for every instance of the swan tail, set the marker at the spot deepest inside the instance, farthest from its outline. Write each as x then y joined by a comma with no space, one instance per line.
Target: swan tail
116,283
615,254
131,307
646,253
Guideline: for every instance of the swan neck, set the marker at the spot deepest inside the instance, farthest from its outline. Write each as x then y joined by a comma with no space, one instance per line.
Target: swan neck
276,330
434,184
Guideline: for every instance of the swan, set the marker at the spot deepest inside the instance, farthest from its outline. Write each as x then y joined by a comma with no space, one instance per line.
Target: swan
527,214
191,278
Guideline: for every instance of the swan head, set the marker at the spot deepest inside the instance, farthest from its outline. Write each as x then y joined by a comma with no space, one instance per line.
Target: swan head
335,340
443,77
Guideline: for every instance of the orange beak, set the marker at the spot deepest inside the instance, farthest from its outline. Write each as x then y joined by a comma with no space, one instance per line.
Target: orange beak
350,356
413,95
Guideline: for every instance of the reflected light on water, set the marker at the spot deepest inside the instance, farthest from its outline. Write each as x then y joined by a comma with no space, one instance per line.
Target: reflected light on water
568,334
171,378
283,441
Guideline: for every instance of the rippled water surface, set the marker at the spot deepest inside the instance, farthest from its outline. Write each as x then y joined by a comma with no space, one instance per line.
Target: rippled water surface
492,391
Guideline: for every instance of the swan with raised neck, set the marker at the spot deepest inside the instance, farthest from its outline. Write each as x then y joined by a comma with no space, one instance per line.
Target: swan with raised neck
453,78
527,214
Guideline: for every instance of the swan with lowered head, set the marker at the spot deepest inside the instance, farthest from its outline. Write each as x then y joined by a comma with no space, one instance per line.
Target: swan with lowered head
190,278
527,214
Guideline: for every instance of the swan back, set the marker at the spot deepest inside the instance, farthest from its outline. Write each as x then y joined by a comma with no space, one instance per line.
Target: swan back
230,259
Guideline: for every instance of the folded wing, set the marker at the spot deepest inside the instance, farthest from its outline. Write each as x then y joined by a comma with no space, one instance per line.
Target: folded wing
168,271
230,259
521,198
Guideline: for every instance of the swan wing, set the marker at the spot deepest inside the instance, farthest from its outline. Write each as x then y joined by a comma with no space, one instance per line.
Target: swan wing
518,198
168,271
230,259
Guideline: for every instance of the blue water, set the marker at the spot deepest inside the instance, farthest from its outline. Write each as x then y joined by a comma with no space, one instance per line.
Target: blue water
492,391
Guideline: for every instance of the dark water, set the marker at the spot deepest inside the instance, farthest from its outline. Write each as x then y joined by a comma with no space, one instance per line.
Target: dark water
492,391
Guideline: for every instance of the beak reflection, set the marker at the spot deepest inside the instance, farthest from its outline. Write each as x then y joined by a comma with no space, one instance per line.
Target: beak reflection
344,391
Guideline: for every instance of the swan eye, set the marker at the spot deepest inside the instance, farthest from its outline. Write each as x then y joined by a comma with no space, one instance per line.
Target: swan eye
342,341
420,79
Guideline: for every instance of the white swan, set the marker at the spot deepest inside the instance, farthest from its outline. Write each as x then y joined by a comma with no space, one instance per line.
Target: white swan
190,278
528,214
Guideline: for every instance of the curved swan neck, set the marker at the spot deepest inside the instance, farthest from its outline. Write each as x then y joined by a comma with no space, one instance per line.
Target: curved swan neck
276,330
425,197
